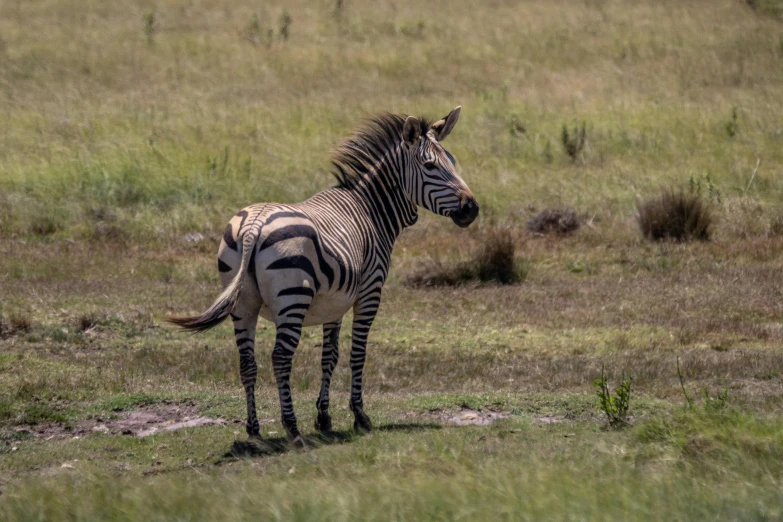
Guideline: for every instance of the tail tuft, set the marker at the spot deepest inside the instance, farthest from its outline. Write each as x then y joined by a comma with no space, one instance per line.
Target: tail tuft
216,313
198,323
225,303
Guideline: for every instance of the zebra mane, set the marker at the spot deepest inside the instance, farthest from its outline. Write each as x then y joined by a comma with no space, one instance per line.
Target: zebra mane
356,156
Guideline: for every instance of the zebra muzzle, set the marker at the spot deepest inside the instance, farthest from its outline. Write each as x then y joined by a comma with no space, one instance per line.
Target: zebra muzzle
467,213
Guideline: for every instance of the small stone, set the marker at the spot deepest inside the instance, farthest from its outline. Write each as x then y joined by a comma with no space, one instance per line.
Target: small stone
193,237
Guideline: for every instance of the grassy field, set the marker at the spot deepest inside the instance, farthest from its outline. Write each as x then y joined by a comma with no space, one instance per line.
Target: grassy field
131,133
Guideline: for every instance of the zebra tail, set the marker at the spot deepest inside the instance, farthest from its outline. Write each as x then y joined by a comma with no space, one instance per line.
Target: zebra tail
225,302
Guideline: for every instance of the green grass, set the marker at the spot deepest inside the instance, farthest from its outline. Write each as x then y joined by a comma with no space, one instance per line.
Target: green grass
149,142
130,129
517,470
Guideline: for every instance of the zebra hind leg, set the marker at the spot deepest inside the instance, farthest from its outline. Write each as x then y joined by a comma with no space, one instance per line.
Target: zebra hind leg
245,334
288,334
361,329
329,355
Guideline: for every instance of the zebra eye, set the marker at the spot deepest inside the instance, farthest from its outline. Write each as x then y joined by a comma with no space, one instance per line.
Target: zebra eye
429,165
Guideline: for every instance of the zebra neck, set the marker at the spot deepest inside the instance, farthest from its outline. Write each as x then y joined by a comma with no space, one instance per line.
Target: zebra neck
380,192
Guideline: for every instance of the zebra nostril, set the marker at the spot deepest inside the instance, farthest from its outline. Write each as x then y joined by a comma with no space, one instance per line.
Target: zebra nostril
468,206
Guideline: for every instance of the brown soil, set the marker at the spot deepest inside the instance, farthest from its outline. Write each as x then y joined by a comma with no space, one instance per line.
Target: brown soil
142,422
468,417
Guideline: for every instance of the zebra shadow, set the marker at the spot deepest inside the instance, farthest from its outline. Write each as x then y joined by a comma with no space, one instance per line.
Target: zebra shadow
258,447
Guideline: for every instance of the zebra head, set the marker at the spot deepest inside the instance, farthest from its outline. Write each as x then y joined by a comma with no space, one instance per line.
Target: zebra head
431,179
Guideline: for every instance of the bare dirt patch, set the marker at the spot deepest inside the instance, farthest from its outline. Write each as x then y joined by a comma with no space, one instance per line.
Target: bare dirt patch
141,422
468,417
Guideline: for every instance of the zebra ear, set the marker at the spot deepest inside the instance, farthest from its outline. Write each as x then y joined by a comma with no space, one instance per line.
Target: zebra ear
443,128
411,130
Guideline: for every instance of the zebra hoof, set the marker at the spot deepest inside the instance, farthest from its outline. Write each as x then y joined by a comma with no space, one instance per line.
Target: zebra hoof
362,423
323,422
299,443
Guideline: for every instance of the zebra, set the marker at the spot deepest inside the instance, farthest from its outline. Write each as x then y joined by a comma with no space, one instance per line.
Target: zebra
309,263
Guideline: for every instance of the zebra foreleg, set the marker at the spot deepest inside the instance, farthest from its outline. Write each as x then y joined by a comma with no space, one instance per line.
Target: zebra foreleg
245,335
287,340
363,318
329,355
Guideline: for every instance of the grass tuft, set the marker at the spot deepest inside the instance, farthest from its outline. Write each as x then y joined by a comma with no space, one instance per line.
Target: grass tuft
574,142
21,323
149,26
494,261
285,25
87,322
675,215
43,226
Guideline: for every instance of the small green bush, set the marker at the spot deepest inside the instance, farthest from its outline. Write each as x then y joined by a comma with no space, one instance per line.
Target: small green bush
614,406
574,142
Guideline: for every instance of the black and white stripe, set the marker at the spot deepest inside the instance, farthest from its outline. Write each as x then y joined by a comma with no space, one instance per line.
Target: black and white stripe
309,263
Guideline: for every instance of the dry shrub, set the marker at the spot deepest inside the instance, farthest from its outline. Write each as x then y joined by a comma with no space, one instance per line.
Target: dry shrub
677,215
494,261
15,323
554,220
21,323
86,322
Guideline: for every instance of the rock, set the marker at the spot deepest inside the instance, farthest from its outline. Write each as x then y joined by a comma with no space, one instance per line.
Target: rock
193,237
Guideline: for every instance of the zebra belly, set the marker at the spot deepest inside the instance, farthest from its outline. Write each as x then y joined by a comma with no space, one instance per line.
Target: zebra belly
325,308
